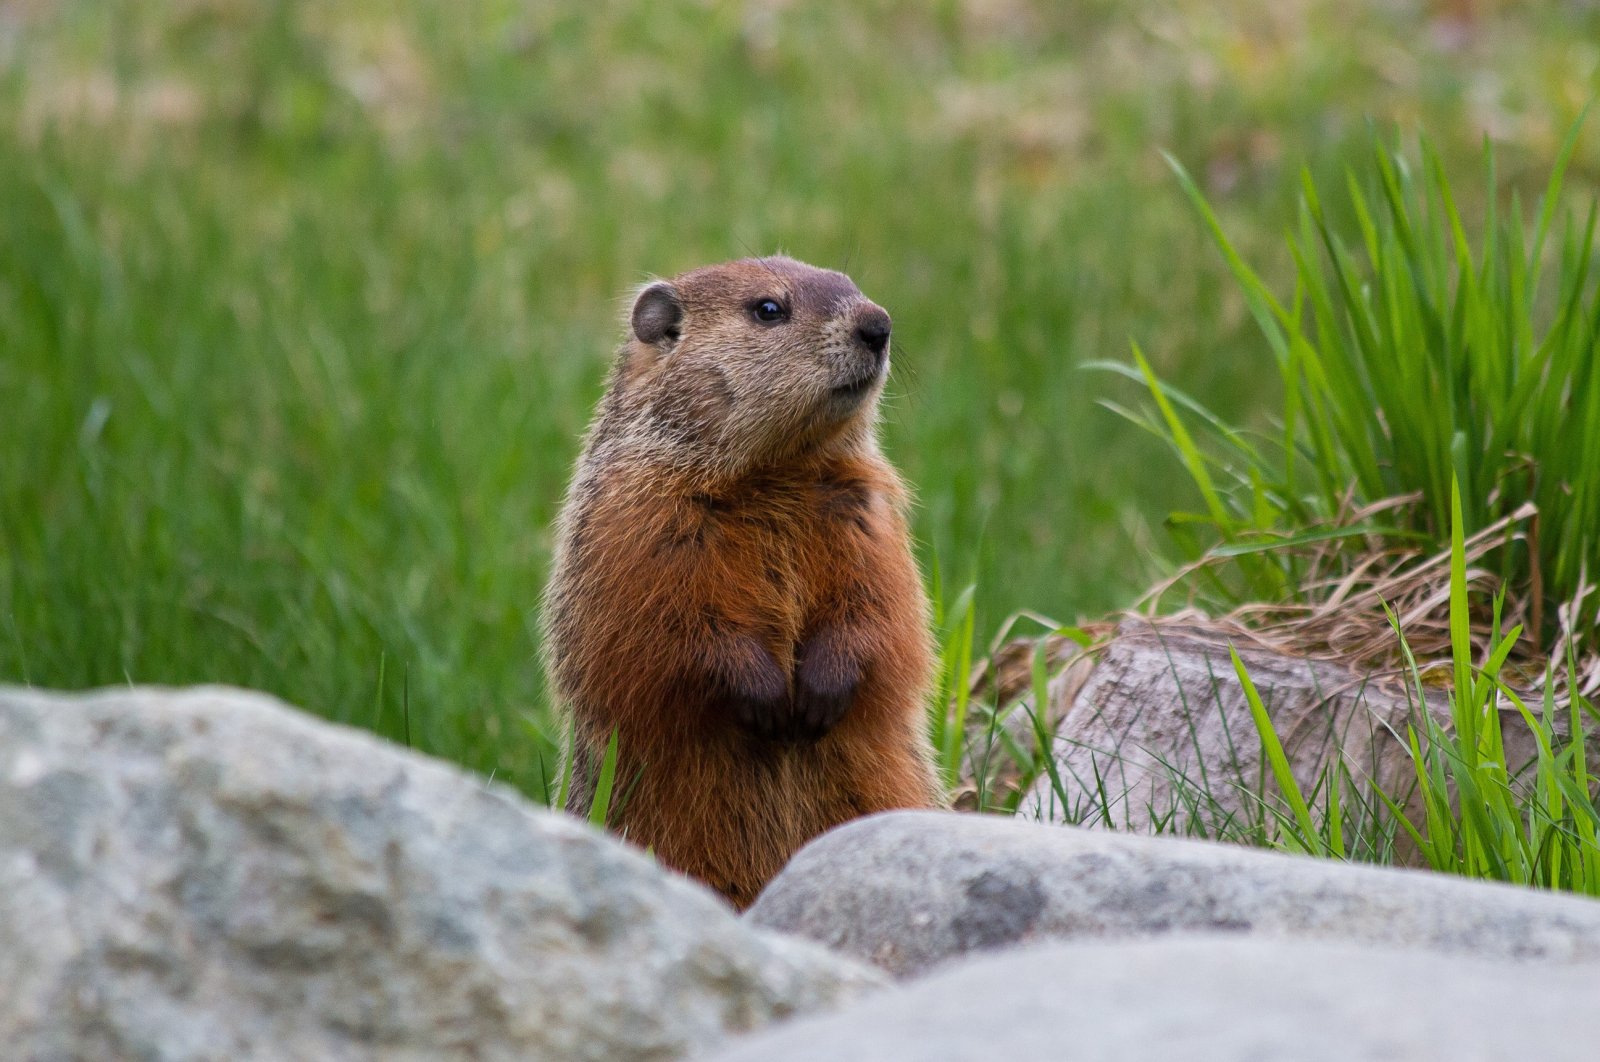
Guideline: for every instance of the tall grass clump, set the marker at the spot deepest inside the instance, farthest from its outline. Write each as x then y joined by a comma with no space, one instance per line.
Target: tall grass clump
1471,809
1426,504
1414,349
1485,817
1470,804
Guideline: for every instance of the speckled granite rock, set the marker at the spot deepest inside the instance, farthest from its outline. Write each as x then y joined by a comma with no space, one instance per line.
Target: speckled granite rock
206,874
1209,999
911,890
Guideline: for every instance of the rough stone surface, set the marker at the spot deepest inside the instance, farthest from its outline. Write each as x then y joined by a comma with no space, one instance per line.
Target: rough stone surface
206,874
911,890
1161,732
1209,999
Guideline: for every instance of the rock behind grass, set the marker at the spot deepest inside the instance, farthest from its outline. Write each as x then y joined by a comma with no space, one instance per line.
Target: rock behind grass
1156,735
910,891
1210,999
206,874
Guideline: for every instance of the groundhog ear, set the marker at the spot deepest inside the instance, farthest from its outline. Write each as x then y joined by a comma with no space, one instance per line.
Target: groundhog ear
657,313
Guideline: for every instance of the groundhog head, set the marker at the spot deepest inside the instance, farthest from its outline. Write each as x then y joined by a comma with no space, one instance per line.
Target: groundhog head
753,360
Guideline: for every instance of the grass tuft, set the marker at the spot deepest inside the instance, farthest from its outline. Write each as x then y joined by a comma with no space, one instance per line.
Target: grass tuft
1421,367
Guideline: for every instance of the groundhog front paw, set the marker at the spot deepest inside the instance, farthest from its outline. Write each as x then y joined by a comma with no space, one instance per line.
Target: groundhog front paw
758,695
826,678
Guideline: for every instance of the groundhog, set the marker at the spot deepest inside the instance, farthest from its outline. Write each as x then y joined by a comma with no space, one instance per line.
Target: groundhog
734,592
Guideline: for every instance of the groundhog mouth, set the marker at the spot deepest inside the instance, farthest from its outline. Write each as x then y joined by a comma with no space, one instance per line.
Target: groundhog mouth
858,387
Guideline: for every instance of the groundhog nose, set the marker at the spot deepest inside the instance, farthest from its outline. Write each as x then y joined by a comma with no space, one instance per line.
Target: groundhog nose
872,328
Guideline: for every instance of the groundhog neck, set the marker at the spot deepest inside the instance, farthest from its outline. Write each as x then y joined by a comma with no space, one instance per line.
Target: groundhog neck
695,467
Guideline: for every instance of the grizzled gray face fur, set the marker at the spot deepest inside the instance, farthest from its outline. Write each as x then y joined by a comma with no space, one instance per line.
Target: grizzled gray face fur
752,360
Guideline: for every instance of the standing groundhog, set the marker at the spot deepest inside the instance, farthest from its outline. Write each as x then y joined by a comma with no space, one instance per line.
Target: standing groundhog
734,592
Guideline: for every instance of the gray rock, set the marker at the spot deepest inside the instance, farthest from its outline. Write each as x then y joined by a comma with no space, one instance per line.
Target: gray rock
1209,999
207,875
1159,737
910,890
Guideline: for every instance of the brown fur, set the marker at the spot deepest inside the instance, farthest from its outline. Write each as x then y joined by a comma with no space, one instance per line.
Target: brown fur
734,590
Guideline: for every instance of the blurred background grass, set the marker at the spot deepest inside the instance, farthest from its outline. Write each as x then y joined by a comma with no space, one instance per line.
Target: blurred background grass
303,307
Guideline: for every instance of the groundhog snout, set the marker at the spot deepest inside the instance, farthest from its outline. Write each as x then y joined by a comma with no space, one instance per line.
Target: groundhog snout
872,330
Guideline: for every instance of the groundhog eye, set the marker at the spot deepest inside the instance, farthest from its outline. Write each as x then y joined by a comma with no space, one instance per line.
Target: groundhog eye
769,311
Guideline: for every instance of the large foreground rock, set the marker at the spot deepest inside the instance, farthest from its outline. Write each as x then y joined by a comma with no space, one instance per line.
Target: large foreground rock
1210,1000
208,875
911,890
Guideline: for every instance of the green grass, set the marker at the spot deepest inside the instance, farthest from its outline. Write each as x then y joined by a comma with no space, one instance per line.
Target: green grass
1481,815
1413,357
303,307
1456,370
1468,809
1483,819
